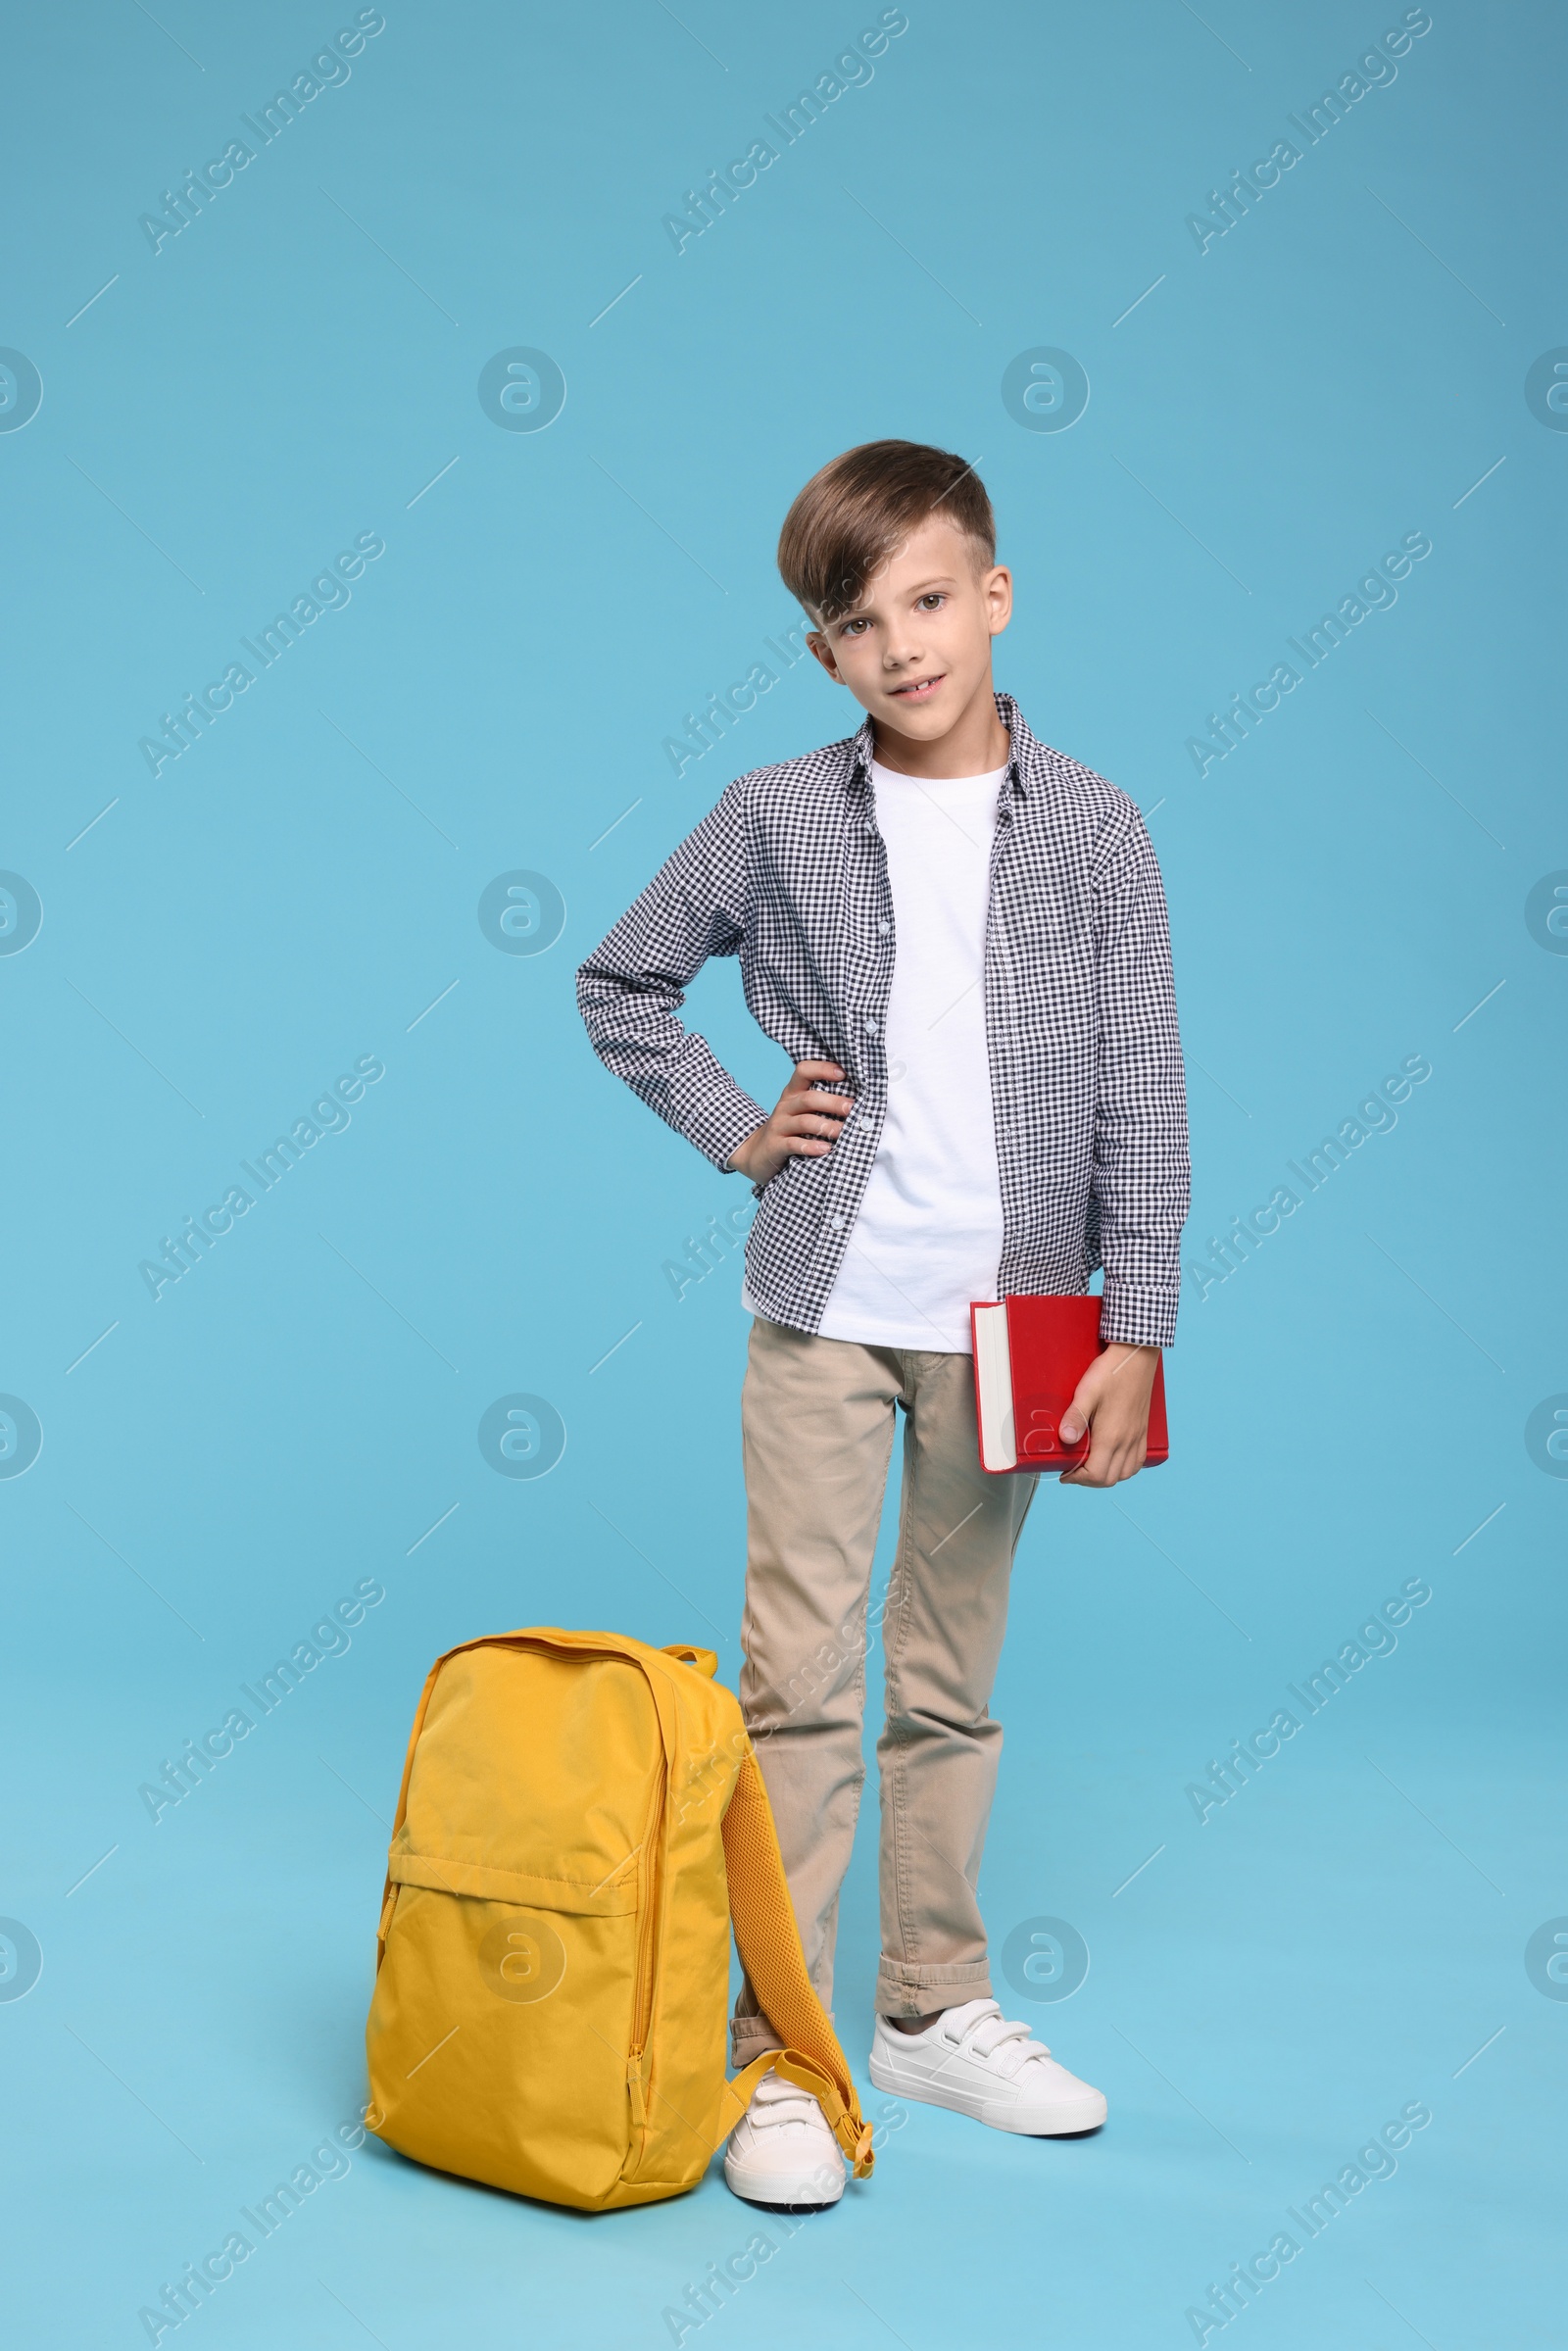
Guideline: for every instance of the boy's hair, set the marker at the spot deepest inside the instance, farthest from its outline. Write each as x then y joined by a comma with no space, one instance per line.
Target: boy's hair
853,513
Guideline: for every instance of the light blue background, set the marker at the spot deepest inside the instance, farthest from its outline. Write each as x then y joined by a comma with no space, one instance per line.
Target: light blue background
296,890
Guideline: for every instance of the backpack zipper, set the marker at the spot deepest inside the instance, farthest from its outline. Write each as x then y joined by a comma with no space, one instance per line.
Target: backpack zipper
647,1934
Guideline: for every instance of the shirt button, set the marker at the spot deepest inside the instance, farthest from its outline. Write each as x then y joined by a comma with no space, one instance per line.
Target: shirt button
871,1026
884,928
837,1222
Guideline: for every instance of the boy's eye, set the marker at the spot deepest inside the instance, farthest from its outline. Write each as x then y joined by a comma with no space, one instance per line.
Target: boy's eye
932,599
853,628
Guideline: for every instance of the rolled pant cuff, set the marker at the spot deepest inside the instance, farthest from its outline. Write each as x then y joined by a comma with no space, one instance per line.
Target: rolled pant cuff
902,1990
749,2037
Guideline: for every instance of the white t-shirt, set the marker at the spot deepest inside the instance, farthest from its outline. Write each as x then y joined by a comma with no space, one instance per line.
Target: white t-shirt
927,1241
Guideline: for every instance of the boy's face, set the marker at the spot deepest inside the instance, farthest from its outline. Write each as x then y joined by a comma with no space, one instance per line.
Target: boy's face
916,648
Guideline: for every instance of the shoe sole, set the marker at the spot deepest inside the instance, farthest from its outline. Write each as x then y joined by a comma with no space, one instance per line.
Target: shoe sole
1059,2120
793,2191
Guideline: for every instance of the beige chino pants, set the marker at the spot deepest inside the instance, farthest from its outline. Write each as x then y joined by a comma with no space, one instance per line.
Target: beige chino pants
817,1421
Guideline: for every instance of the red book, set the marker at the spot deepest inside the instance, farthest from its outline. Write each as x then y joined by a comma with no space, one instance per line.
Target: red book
1029,1355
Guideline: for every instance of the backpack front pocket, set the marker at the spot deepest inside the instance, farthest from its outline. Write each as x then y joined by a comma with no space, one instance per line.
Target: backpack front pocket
503,2024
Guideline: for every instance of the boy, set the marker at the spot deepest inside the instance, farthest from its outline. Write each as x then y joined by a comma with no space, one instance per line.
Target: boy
958,937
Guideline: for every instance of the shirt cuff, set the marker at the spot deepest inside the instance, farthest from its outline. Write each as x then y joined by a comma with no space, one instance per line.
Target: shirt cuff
1135,1314
721,1123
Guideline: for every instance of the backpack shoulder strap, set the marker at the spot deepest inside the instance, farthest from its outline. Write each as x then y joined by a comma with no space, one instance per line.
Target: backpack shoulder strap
769,1944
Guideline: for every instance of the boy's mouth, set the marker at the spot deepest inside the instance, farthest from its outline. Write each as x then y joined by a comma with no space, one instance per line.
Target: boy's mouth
918,689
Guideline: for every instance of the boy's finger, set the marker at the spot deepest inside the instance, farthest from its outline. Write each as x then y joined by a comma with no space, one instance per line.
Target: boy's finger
1088,1472
1075,1419
818,1069
1101,1465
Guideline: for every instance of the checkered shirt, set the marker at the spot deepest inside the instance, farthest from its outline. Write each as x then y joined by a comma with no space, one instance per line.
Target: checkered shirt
789,873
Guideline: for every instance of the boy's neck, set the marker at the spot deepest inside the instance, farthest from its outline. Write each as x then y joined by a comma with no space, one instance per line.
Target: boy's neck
976,744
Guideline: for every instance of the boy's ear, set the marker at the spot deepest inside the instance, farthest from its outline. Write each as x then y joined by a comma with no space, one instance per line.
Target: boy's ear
995,586
825,653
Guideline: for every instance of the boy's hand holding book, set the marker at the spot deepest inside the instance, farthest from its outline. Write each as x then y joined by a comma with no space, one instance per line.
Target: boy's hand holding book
1050,1395
1111,1400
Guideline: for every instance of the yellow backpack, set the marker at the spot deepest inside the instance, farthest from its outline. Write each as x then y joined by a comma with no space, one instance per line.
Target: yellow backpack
580,1818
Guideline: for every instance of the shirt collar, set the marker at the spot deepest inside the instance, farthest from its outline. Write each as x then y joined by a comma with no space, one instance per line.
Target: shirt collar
1024,766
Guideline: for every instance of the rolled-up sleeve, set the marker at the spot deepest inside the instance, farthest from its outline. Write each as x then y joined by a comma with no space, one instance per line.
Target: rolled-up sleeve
630,990
1142,1177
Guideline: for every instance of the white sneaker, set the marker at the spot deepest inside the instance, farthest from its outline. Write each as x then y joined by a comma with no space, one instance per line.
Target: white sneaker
781,2151
973,2061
